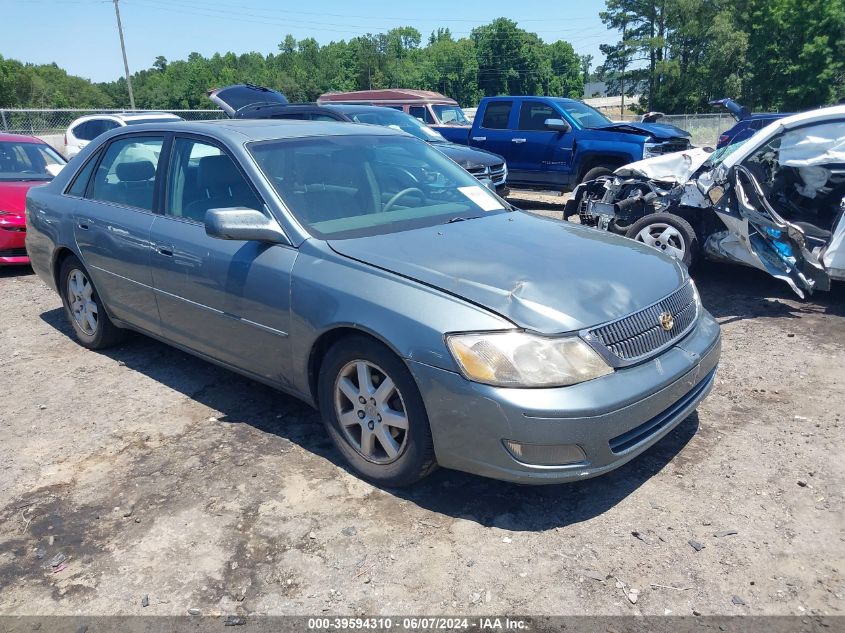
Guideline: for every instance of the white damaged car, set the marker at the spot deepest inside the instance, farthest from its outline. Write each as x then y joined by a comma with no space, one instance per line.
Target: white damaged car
775,201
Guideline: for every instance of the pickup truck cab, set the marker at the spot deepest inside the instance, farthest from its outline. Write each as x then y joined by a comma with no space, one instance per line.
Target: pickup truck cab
556,143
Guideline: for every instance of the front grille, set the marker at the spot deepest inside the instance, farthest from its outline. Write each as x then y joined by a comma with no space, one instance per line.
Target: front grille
640,434
496,173
668,147
639,335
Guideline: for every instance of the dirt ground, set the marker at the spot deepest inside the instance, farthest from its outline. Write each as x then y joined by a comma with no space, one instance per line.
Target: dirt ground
145,473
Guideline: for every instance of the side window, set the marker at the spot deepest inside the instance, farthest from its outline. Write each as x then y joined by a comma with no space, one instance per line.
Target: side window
496,115
203,177
81,131
127,172
321,117
80,182
422,113
533,115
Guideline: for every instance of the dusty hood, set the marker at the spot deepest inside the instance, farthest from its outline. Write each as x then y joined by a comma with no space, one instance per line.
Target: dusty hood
675,167
469,157
541,274
659,131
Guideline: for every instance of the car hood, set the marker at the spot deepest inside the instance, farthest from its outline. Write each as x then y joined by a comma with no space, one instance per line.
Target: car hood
13,194
659,131
541,274
676,167
468,157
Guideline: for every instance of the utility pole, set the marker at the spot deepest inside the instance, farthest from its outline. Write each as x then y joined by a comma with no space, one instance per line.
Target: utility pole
123,49
624,64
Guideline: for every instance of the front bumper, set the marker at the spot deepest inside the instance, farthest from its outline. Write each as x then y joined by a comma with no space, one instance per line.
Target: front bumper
612,419
12,242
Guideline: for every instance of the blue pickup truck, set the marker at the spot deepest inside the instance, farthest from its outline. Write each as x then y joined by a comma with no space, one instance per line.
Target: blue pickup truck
556,143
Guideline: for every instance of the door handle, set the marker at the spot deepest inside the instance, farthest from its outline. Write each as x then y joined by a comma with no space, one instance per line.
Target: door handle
83,223
165,250
518,140
117,231
479,138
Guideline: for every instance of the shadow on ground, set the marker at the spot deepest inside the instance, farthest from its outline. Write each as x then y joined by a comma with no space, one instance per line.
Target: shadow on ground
242,401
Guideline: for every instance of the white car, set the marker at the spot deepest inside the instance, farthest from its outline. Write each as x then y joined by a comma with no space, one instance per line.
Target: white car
86,128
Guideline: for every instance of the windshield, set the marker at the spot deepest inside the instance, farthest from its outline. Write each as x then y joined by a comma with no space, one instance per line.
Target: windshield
28,161
450,115
341,187
398,121
584,115
718,156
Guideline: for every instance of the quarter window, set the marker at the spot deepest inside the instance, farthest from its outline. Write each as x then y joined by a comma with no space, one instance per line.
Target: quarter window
496,115
203,177
80,183
127,172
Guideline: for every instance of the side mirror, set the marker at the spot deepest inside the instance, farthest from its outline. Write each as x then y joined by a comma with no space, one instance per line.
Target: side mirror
240,223
558,125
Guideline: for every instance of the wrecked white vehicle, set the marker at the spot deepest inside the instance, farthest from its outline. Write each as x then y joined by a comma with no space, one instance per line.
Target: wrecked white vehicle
773,202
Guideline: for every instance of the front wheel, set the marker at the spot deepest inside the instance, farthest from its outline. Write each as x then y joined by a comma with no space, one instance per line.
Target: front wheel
374,414
668,233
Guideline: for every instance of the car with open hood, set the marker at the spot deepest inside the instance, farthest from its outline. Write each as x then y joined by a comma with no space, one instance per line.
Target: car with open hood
246,101
747,123
772,202
359,269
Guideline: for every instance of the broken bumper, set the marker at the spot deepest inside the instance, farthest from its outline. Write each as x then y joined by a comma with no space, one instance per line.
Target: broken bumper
611,419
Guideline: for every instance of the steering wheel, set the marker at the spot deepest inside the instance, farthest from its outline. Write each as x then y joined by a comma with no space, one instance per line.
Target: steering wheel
392,202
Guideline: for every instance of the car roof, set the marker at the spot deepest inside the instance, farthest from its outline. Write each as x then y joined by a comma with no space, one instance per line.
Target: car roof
358,108
129,116
243,130
19,138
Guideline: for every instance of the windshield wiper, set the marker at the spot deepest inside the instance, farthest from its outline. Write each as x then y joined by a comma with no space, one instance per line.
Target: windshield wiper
462,218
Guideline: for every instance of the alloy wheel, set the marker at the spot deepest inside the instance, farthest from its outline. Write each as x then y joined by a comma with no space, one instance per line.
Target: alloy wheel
371,412
83,307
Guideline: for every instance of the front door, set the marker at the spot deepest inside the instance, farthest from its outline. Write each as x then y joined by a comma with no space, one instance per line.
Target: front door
112,227
540,155
227,299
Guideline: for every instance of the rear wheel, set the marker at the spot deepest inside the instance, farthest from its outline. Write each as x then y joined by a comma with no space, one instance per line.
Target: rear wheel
667,233
373,412
91,325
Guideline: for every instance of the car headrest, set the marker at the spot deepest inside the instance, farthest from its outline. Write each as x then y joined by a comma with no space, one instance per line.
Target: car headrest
217,171
137,171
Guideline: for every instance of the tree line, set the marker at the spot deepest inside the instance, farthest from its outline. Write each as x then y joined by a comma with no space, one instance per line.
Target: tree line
677,54
785,55
496,58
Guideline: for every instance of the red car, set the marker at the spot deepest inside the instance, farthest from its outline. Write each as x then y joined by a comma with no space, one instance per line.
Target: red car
25,161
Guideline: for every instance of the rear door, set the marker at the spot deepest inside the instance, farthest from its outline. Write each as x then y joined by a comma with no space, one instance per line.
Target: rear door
112,223
539,155
227,299
493,131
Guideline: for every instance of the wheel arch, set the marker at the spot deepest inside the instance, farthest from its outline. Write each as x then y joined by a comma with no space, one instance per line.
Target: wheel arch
324,342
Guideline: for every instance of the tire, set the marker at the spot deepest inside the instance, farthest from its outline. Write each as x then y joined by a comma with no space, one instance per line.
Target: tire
595,172
359,430
667,232
84,310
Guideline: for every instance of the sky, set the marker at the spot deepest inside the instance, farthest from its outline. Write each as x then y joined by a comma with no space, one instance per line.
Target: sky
81,35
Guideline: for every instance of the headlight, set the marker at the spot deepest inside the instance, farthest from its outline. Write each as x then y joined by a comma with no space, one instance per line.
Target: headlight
519,359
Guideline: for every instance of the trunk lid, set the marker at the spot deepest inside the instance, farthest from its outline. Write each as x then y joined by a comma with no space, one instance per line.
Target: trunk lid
234,99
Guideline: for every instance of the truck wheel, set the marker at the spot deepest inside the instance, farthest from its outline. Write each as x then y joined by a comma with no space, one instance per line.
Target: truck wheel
595,172
668,233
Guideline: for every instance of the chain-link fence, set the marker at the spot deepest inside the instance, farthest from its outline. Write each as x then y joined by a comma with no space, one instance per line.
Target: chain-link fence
704,128
48,122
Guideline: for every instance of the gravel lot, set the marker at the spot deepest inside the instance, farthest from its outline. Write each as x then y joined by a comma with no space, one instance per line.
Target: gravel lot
145,472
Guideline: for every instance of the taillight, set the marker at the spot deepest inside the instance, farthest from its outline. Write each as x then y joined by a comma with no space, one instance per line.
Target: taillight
724,138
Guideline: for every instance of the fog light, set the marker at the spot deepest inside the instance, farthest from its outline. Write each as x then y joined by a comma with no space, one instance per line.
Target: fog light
546,454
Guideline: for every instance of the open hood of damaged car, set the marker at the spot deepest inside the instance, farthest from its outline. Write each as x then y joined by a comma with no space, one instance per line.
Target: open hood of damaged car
541,274
676,167
659,131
